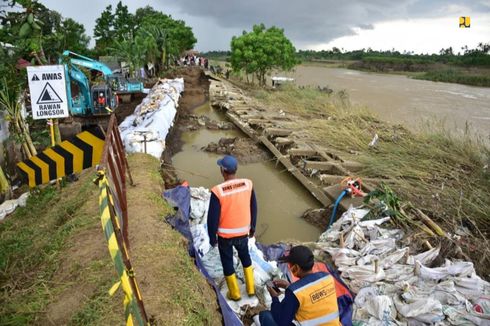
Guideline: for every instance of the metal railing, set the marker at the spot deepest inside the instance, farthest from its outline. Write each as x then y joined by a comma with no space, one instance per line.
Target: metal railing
114,219
115,165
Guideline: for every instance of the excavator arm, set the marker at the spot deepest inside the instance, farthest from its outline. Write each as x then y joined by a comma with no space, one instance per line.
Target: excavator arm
80,60
82,103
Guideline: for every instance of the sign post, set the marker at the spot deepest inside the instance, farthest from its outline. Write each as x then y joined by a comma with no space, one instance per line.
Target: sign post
48,92
48,95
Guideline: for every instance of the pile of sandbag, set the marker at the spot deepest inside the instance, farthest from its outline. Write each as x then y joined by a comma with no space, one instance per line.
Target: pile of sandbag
396,288
263,270
153,118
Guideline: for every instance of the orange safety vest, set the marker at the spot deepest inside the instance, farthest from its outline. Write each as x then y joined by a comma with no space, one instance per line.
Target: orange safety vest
317,303
234,198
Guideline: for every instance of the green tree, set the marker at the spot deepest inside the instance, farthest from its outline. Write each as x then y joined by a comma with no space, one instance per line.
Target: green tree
132,50
104,30
157,35
40,33
123,22
262,50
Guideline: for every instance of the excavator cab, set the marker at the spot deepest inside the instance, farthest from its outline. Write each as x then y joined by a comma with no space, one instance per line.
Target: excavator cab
104,100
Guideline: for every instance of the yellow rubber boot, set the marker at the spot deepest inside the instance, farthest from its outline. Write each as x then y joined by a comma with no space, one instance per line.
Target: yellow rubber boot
249,280
233,289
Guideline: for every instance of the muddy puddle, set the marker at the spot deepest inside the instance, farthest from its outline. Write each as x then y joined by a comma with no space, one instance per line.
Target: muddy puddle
281,198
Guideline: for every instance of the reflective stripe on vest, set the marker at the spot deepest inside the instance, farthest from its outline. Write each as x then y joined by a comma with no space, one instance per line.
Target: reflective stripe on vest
244,229
318,303
234,197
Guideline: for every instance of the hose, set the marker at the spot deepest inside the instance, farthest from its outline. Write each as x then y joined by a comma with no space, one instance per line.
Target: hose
335,206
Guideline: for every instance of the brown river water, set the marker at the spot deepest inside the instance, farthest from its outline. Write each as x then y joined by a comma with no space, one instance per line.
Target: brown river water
281,199
395,98
400,99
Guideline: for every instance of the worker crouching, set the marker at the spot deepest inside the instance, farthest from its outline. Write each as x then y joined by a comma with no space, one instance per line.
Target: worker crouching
232,217
311,300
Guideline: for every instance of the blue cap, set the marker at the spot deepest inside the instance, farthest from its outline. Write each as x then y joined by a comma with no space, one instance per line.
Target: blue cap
229,163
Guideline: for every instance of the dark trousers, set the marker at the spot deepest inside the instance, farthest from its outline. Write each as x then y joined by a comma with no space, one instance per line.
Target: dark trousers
225,247
266,319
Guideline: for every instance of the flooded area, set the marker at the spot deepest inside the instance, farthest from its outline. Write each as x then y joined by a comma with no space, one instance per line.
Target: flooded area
281,198
400,99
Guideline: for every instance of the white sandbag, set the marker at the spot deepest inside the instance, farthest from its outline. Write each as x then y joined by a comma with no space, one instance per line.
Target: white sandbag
400,273
381,307
245,300
378,247
462,317
371,223
22,200
152,119
200,239
425,257
392,258
438,273
446,293
363,273
199,204
355,238
472,287
427,310
8,207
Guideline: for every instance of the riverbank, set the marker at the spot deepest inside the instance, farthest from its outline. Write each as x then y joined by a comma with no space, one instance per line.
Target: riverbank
471,75
433,170
56,269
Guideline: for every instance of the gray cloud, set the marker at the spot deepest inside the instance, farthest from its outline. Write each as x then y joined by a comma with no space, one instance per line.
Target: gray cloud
317,21
306,22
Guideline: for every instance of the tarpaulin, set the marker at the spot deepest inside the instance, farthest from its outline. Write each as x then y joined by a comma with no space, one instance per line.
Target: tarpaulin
180,198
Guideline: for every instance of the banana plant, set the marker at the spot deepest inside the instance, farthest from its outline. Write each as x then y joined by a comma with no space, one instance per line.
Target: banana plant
11,101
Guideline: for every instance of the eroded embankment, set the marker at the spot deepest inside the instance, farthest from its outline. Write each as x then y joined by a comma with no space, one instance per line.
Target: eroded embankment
206,134
56,269
320,139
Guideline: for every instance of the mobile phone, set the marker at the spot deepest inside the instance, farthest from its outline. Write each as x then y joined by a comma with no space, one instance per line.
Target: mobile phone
273,286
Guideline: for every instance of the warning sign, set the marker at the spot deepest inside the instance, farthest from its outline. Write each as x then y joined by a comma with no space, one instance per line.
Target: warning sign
48,91
48,95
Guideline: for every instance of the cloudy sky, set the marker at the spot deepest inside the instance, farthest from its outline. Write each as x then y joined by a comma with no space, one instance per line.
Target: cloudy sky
415,25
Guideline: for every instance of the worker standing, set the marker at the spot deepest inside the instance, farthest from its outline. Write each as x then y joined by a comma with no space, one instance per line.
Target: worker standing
311,300
232,217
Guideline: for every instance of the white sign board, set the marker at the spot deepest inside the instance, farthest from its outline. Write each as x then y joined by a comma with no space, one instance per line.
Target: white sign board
48,91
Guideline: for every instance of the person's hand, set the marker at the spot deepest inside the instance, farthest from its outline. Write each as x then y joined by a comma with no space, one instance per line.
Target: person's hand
251,233
281,283
272,292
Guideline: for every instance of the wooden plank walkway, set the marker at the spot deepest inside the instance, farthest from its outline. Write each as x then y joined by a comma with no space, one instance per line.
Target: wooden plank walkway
265,128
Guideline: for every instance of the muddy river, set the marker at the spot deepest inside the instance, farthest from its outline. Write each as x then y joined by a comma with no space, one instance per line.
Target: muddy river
400,99
281,198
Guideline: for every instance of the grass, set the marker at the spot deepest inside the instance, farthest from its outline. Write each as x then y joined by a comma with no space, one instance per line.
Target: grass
456,76
174,292
426,70
36,242
445,175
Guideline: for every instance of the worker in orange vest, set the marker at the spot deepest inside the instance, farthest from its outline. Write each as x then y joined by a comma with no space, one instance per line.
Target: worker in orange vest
311,300
232,217
101,99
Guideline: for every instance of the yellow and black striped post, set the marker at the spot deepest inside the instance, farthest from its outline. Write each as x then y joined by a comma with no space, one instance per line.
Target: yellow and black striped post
70,156
133,302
